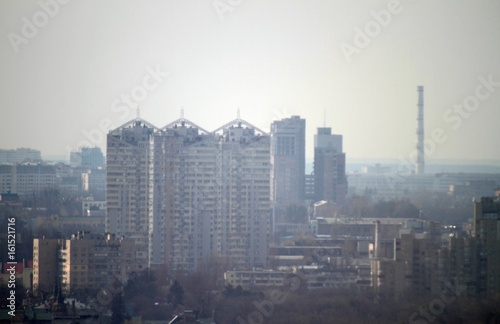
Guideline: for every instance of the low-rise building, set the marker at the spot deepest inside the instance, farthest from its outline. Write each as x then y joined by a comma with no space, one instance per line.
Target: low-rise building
255,278
83,261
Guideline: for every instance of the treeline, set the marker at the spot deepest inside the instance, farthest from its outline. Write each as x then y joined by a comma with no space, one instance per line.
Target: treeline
158,296
347,306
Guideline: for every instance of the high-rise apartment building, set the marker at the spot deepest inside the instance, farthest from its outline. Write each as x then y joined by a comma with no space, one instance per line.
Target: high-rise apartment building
127,181
210,194
186,194
288,146
330,182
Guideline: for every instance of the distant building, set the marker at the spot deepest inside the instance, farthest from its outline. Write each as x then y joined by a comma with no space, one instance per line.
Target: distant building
84,261
210,194
423,265
28,179
66,225
89,157
400,185
45,264
94,182
127,195
19,155
487,233
330,181
70,184
255,278
185,194
309,186
288,143
10,199
91,207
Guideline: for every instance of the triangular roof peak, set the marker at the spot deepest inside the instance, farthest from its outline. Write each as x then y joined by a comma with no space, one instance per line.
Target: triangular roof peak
134,122
238,122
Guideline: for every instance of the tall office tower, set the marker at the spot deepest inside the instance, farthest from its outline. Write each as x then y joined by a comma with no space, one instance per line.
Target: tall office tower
330,182
210,194
127,194
288,159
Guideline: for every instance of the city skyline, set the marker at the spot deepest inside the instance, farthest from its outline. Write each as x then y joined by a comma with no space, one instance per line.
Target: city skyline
270,60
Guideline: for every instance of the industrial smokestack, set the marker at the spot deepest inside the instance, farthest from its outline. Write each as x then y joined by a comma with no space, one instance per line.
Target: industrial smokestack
420,168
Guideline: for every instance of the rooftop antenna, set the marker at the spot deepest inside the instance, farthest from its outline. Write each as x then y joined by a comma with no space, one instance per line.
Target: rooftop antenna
182,113
238,114
138,112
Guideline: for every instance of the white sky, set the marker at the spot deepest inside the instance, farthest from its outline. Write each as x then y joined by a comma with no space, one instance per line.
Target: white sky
270,58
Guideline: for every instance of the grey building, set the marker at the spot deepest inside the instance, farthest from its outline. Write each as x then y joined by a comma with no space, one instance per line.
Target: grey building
330,181
127,181
288,145
186,194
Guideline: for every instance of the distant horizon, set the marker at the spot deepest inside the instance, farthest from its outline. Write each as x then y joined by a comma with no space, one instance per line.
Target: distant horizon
351,66
368,161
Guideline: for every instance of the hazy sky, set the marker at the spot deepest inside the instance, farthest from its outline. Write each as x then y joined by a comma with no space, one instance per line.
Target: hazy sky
73,69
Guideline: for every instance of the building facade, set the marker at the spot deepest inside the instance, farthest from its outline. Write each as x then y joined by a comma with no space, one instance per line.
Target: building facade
45,258
288,143
19,155
28,178
86,261
330,181
186,194
487,234
127,181
88,157
210,194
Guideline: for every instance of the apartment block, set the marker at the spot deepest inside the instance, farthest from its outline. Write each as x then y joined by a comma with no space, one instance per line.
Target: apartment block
83,261
185,194
26,179
210,194
45,263
255,278
127,195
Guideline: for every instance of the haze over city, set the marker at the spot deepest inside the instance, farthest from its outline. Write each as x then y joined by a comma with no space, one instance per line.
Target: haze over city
269,59
249,161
